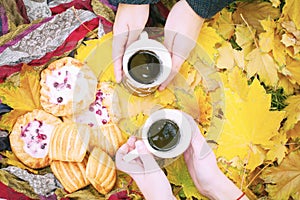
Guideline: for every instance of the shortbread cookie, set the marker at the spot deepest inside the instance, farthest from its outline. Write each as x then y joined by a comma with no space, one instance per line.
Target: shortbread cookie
69,142
101,171
30,138
70,174
108,137
67,87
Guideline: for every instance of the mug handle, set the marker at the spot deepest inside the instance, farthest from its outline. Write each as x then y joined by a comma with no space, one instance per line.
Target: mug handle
131,155
144,36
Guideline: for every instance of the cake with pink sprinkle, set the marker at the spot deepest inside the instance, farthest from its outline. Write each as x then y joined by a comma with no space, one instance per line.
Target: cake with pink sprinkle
103,110
30,138
68,86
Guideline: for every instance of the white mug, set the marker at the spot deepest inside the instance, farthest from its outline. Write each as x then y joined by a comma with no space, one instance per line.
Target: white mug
184,130
146,44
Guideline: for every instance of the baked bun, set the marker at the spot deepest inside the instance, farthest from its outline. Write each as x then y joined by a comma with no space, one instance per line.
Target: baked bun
30,138
101,171
67,86
104,110
108,138
69,142
70,174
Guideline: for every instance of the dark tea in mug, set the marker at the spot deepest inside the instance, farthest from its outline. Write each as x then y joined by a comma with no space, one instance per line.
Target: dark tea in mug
144,66
163,135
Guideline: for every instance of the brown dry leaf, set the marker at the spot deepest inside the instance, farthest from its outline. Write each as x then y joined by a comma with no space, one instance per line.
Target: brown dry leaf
284,180
262,64
254,11
294,133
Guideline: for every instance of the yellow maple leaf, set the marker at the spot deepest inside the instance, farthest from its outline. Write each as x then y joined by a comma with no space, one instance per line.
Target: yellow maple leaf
293,68
292,111
207,40
223,24
254,11
245,124
291,11
27,95
245,38
97,53
187,102
22,98
132,125
236,80
204,105
266,39
277,149
279,51
262,64
229,57
284,180
11,159
178,174
275,3
8,120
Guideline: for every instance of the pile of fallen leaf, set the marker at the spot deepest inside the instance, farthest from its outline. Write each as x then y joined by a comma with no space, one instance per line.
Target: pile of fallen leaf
241,84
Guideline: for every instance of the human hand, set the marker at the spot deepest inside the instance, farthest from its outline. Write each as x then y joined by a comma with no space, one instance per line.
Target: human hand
181,32
129,22
202,165
150,179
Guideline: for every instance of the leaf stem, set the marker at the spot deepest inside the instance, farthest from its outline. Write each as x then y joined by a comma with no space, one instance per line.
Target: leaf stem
258,173
248,26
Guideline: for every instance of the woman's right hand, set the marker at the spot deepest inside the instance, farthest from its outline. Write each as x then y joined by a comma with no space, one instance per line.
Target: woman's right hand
202,165
129,22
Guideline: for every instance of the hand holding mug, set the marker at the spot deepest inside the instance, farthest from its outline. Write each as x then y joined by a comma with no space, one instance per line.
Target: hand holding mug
150,179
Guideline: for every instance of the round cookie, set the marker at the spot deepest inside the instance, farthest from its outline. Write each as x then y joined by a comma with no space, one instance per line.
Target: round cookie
68,86
30,138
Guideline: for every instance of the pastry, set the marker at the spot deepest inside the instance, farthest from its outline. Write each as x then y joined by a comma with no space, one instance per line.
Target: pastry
30,137
101,171
69,142
104,110
67,86
108,137
70,174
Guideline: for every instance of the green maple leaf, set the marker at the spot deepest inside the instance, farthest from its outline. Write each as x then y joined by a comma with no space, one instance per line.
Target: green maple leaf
178,174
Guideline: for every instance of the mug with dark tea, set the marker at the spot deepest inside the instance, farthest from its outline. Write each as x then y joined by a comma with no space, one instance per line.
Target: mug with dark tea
166,134
146,64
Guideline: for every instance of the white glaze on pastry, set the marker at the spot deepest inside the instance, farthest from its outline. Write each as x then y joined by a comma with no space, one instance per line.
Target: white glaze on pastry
62,83
36,136
97,114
